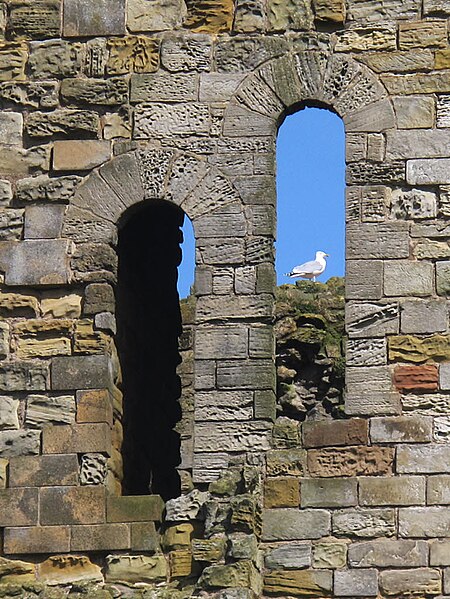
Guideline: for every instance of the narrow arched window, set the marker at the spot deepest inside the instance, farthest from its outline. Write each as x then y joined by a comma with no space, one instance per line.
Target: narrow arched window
311,218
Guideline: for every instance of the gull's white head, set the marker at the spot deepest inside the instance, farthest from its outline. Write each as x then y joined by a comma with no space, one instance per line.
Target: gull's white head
321,255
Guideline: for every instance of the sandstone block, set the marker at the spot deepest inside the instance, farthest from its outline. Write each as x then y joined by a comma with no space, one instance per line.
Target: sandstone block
34,19
23,376
80,372
428,171
57,306
443,277
136,568
424,522
42,410
339,432
414,349
289,557
19,443
141,508
36,539
294,524
93,18
264,405
414,112
403,490
55,59
79,438
408,278
330,492
18,507
100,537
439,553
255,374
232,436
366,352
223,405
11,126
384,240
161,120
286,462
416,144
364,279
364,522
43,222
37,263
64,123
281,492
72,505
42,187
423,317
388,554
9,418
429,249
16,572
350,461
375,403
312,583
186,53
41,471
438,490
94,406
285,433
429,459
144,537
109,92
221,342
364,172
356,583
34,348
426,34
330,555
80,155
444,376
401,429
13,58
98,297
164,87
159,15
135,54
66,569
422,580
208,550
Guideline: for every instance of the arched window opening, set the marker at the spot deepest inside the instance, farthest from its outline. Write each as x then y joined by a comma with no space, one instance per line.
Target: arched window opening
148,330
311,217
186,269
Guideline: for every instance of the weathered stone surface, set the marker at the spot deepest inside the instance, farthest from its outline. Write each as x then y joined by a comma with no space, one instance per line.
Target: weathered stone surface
427,34
414,204
45,188
209,17
249,374
72,505
136,568
364,522
79,438
186,53
232,436
13,58
438,490
101,17
364,280
366,352
423,459
43,222
356,583
139,508
416,378
208,550
94,406
424,317
144,537
286,462
425,522
328,492
34,19
135,54
408,278
224,405
23,376
155,15
384,240
298,583
109,92
367,38
19,442
428,171
164,87
19,507
93,469
64,123
294,524
404,490
55,59
401,429
329,555
281,492
339,432
11,125
439,553
414,112
443,277
9,418
42,410
407,348
29,348
16,572
27,471
37,539
388,554
186,507
289,557
350,461
407,582
80,155
66,569
426,249
161,120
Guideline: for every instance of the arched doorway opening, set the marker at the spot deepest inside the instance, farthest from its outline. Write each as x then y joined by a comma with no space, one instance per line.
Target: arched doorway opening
148,330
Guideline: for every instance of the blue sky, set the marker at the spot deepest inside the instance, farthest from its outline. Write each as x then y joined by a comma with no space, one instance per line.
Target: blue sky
310,190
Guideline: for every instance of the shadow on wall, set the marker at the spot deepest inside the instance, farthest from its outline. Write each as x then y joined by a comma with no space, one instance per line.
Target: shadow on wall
149,325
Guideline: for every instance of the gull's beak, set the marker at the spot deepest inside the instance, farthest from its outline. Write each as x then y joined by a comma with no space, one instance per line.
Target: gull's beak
327,255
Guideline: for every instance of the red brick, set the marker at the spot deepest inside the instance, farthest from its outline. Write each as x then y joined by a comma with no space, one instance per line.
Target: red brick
100,537
77,438
38,539
416,378
43,471
335,432
94,406
72,505
18,507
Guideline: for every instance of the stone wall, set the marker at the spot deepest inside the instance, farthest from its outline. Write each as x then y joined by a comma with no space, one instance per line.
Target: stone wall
108,106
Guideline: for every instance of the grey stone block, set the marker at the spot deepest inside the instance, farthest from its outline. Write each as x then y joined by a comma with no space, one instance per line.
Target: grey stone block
9,418
431,143
109,92
248,374
232,436
221,342
364,279
429,316
425,581
403,490
240,307
413,204
415,112
444,376
439,552
224,222
155,16
428,171
239,121
427,459
443,278
23,376
384,553
364,522
371,319
383,240
438,491
366,352
42,410
401,429
162,120
164,87
42,187
81,372
408,278
93,17
38,263
331,492
265,404
223,405
294,524
44,222
19,443
291,556
356,583
11,128
181,52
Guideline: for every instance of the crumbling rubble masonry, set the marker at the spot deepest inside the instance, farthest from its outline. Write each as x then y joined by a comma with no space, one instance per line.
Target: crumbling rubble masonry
112,106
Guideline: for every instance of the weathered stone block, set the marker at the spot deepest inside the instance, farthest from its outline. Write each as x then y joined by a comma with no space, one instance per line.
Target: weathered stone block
55,59
338,432
426,34
292,524
98,297
410,582
161,120
108,92
425,522
19,443
423,458
401,429
66,569
9,418
29,348
142,508
64,123
42,187
164,87
388,554
80,155
439,553
289,557
373,403
18,507
43,222
414,112
408,348
93,18
135,54
136,568
221,342
34,19
208,550
364,522
72,505
328,492
366,352
350,461
144,537
443,278
11,126
311,583
100,537
356,583
36,539
37,263
384,240
428,171
232,436
408,278
329,555
281,492
286,462
438,490
23,376
79,438
403,490
94,406
223,405
42,410
13,58
364,279
423,316
41,471
155,15
80,372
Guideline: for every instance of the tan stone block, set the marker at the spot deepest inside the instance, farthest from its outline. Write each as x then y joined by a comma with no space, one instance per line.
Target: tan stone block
132,54
77,155
418,83
64,569
18,304
78,438
422,581
13,58
440,552
100,537
336,432
208,550
367,38
88,340
281,492
16,571
55,306
299,583
36,539
178,536
136,568
210,16
36,326
415,112
3,472
329,10
350,461
423,34
27,349
442,59
407,348
72,505
438,491
180,562
94,405
329,555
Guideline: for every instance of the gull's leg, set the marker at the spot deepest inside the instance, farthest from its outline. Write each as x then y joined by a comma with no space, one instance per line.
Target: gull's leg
314,279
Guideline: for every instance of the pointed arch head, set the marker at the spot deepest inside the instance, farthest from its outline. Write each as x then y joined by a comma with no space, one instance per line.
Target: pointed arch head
282,85
100,202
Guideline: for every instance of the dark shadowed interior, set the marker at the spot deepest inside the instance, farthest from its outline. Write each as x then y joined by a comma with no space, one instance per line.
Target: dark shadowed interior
149,325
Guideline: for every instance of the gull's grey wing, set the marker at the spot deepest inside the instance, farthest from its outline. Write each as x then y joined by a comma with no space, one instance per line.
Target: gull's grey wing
307,267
